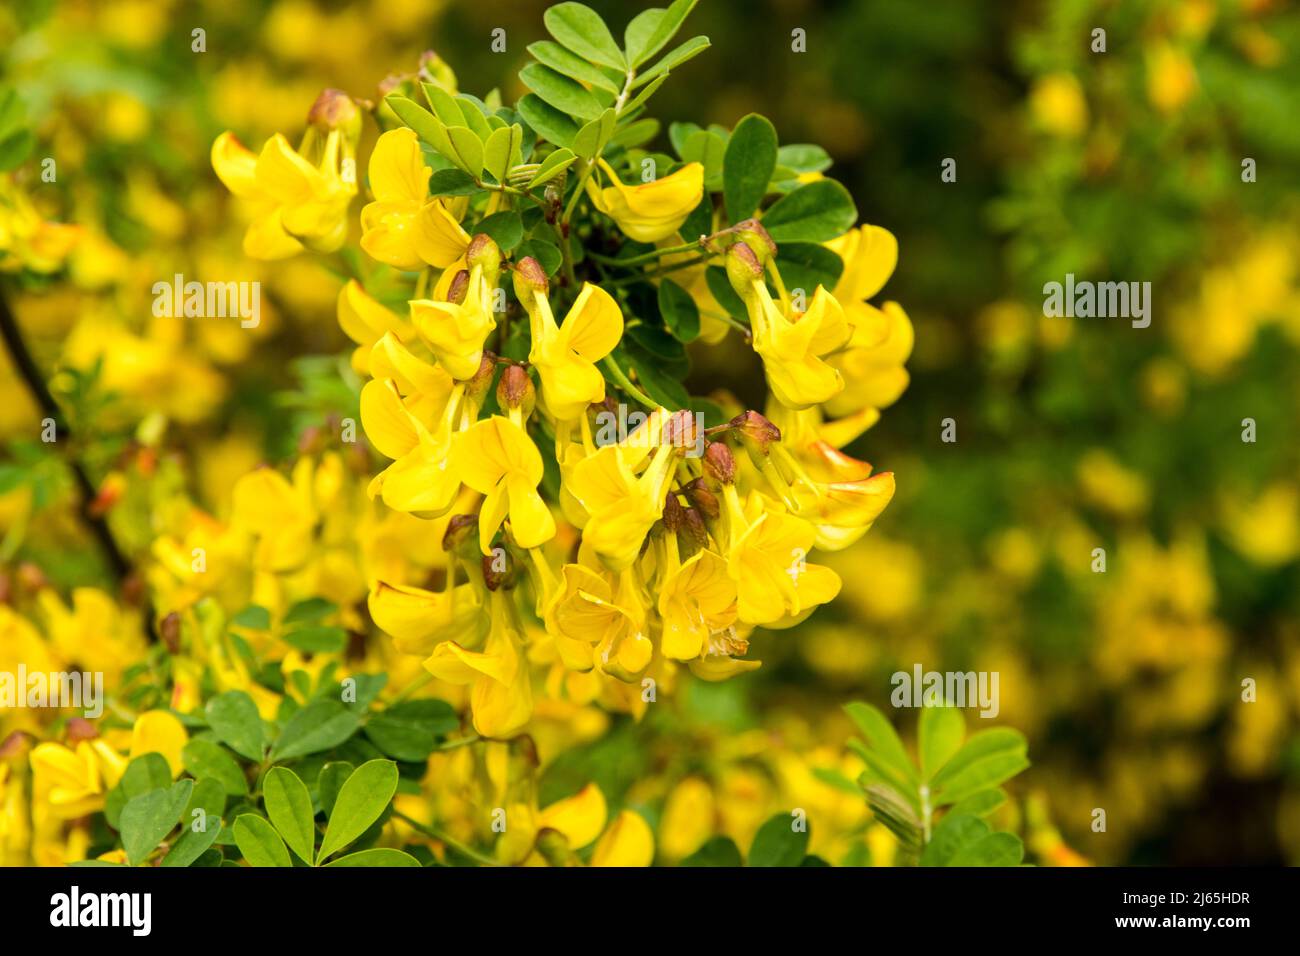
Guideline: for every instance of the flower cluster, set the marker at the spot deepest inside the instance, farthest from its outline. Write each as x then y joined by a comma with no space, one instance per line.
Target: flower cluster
520,294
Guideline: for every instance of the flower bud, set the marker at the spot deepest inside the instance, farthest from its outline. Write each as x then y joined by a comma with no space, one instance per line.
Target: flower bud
719,463
169,629
530,280
477,386
743,269
515,390
79,729
459,287
482,251
703,501
13,745
436,70
681,429
461,533
752,233
755,431
674,513
499,569
335,110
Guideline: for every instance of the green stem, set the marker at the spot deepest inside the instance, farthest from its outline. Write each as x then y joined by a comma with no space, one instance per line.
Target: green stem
650,256
628,280
458,742
620,378
445,839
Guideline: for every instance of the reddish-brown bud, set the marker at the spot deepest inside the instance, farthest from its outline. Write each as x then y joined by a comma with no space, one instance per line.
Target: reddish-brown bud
719,463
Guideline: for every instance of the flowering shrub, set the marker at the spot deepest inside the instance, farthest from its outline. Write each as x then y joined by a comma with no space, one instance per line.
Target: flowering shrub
563,521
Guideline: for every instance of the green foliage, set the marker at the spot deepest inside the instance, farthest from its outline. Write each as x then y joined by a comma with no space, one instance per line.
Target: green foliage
963,774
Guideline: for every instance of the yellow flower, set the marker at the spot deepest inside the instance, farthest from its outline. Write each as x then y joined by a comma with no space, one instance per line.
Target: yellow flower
410,412
294,204
767,558
651,211
157,731
792,344
1058,106
72,783
404,227
629,841
365,322
622,506
696,598
688,818
580,818
501,696
599,620
418,620
565,355
280,514
455,332
27,240
496,458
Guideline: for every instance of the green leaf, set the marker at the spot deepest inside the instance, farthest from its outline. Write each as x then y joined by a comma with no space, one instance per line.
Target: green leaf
673,59
806,265
953,833
145,773
360,803
646,92
502,150
259,843
552,166
467,149
309,611
409,730
651,30
318,640
505,228
205,758
320,725
332,777
721,290
980,775
288,804
580,29
548,122
747,166
591,139
883,740
575,67
980,804
148,818
254,617
16,140
233,717
803,158
777,843
680,313
566,95
445,106
635,134
426,125
996,849
816,212
939,736
708,149
987,759
452,182
546,253
474,117
893,811
376,856
209,796
719,851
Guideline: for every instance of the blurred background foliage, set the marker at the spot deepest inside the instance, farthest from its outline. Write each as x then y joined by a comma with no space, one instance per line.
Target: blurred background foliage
1072,434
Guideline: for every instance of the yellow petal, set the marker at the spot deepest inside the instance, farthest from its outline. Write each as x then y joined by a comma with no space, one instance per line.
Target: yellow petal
388,424
235,166
580,818
628,842
157,731
397,168
439,238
